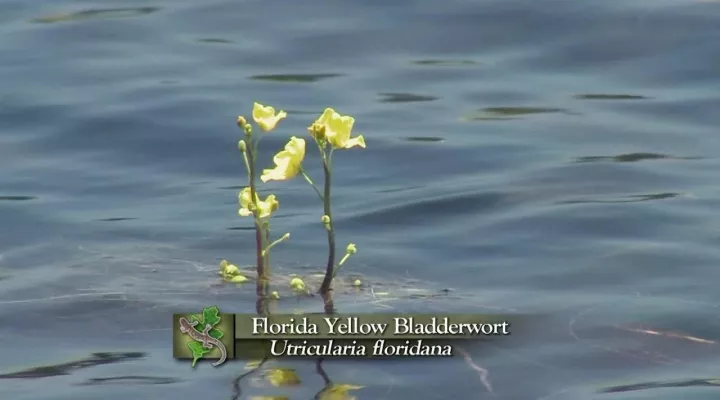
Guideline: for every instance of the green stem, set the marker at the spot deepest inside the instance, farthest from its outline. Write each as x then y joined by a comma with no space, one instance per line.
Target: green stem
273,244
327,280
266,252
307,178
259,236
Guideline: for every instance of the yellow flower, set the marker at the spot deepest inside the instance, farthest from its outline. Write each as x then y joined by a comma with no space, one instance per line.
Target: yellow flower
287,162
336,129
266,117
265,208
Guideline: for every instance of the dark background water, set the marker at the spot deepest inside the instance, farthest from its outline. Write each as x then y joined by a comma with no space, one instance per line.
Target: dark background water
538,156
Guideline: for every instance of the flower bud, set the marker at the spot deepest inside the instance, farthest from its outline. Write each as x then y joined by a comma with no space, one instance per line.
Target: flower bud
241,122
297,284
242,146
351,249
274,295
325,219
357,283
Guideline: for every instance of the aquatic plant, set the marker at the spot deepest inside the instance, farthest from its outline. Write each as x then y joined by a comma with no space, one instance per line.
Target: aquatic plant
249,201
332,131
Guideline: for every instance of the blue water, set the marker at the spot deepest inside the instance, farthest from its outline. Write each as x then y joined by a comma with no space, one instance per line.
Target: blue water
552,156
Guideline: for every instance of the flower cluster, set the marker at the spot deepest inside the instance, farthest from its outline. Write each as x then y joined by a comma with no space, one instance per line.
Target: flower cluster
330,131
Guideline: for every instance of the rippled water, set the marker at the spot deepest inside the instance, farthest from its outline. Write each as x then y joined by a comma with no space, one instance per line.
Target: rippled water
539,156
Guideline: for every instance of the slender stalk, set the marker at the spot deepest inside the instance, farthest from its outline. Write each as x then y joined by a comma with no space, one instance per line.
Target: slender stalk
266,251
327,280
259,236
310,181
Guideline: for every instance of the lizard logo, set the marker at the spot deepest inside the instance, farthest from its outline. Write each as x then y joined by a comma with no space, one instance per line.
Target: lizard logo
202,329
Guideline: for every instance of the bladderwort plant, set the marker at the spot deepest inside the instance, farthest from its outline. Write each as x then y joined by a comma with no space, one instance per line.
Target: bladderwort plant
249,201
330,132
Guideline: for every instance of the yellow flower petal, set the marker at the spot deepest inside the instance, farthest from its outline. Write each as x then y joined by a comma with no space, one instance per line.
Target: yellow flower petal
266,117
265,208
337,130
287,161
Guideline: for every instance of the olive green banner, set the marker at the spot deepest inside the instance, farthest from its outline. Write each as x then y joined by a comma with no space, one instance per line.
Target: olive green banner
370,326
211,335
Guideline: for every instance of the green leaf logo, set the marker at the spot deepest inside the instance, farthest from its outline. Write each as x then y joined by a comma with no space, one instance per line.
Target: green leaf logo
198,324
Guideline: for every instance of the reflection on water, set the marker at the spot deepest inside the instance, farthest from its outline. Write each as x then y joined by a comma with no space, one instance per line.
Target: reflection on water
96,359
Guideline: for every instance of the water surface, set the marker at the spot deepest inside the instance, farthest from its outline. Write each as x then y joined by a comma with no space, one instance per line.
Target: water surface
551,156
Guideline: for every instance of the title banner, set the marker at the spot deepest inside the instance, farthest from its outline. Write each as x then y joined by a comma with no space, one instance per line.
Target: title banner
213,335
369,326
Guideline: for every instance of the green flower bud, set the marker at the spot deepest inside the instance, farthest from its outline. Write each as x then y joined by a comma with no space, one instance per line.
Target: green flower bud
351,249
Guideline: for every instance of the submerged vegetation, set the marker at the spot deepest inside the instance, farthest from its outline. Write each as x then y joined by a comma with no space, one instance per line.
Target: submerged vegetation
330,131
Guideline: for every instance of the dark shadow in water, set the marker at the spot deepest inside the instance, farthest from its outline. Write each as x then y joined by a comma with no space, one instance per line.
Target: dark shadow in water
294,78
116,219
629,199
67,368
433,139
632,157
97,14
445,63
600,96
231,187
662,385
17,198
506,113
130,380
405,98
214,41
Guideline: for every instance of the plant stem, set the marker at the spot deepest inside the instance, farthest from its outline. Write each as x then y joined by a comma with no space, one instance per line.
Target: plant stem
327,280
307,178
266,251
259,236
